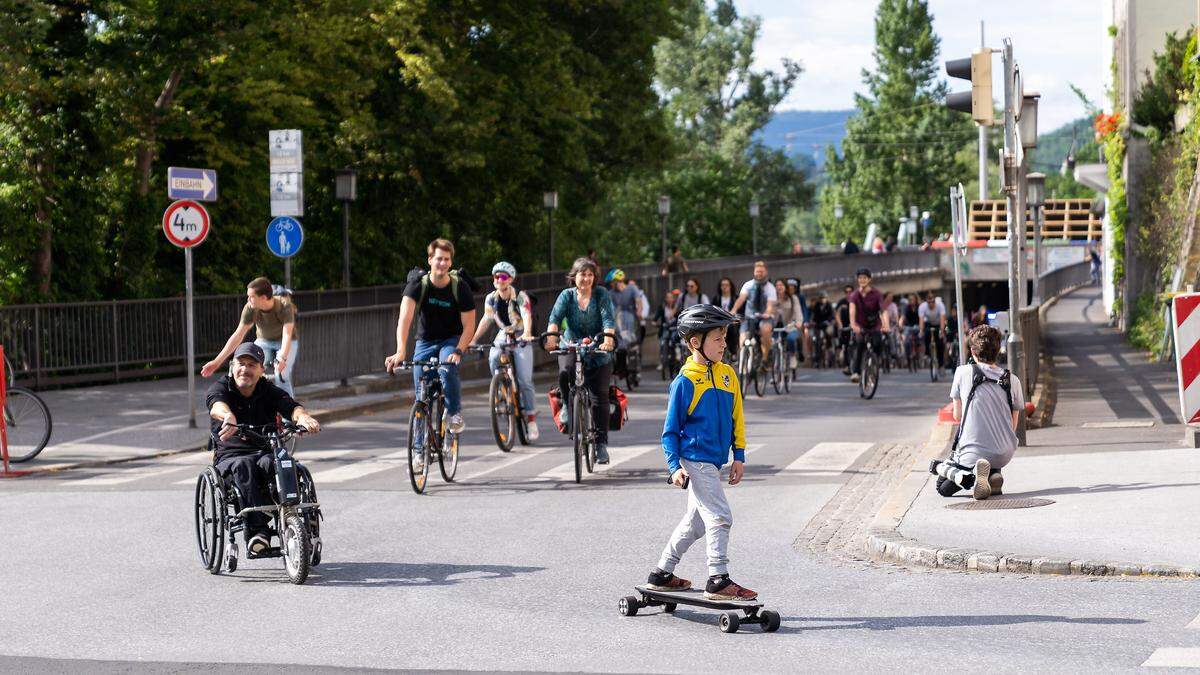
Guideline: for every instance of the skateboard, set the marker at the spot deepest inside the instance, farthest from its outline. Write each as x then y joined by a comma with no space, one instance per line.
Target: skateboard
736,612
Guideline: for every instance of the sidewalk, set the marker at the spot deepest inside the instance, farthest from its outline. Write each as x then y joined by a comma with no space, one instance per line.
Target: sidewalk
122,422
1125,490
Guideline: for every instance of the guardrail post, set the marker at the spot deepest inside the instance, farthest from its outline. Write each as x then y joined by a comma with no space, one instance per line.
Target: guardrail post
115,354
37,347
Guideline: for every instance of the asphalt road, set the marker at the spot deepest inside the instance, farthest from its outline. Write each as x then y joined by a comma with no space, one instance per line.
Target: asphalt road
515,567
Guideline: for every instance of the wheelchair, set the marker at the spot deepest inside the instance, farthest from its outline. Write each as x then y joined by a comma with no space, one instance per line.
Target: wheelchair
296,514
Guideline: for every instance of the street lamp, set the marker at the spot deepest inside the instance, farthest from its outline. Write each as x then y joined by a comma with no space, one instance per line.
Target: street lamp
1035,193
550,203
838,212
664,210
1028,120
346,191
754,220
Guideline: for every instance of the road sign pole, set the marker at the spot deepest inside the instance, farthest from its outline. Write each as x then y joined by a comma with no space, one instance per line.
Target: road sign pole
287,272
957,239
191,337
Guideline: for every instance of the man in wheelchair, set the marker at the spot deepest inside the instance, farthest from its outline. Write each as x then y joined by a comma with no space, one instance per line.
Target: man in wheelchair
246,398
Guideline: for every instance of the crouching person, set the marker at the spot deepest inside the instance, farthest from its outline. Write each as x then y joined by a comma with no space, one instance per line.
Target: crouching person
987,403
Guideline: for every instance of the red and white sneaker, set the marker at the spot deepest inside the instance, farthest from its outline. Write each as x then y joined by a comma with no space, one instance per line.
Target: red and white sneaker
725,589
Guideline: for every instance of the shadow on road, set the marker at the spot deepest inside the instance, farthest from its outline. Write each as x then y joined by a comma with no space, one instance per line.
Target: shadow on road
894,622
380,574
1103,487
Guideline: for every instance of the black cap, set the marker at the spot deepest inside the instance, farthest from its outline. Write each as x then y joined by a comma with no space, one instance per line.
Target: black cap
252,350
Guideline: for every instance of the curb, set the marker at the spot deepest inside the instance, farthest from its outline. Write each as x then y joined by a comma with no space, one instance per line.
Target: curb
883,543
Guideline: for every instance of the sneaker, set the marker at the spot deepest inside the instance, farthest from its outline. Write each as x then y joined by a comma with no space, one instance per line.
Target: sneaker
258,544
602,453
933,465
455,424
855,378
792,361
723,588
531,430
983,485
564,420
665,581
845,371
996,480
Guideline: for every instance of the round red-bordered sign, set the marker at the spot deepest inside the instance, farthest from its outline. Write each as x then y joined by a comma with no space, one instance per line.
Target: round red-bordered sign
185,223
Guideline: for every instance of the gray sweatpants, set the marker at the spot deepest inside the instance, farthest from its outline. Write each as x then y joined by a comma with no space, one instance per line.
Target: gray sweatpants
707,516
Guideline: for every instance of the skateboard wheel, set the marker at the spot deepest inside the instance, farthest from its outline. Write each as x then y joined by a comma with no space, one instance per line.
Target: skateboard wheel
770,621
628,606
729,622
669,607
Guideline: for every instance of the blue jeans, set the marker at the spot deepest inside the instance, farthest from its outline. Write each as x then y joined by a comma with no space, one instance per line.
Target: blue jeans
270,349
447,372
523,367
793,340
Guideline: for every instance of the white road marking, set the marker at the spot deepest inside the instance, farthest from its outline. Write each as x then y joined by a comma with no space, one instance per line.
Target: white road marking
620,455
129,476
125,429
1195,623
392,461
828,459
509,460
1174,657
1128,424
307,457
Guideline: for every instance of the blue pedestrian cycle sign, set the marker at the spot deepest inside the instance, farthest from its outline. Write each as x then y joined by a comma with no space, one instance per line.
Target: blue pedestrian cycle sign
285,236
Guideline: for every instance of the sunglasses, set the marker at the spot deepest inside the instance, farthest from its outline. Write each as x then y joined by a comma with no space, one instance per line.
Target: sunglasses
501,277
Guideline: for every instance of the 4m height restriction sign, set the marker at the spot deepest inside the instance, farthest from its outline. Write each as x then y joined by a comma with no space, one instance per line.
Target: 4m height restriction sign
185,223
1187,353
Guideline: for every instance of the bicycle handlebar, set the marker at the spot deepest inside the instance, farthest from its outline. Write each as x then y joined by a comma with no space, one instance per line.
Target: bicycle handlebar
261,431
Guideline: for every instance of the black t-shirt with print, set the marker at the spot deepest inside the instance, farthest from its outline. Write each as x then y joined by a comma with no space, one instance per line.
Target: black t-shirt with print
441,313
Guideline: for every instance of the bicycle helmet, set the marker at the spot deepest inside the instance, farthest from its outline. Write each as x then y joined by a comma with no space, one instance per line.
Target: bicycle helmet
863,271
699,319
616,274
506,268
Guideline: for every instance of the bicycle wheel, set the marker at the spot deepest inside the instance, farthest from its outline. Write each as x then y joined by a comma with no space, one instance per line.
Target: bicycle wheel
869,381
634,364
760,378
296,547
933,366
579,434
419,431
500,395
29,425
589,436
777,369
788,375
745,360
448,452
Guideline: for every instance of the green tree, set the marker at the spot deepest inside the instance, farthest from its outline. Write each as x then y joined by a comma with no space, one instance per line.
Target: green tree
902,147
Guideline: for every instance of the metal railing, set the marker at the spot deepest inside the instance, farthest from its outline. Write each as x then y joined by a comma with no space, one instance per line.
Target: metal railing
343,334
1052,284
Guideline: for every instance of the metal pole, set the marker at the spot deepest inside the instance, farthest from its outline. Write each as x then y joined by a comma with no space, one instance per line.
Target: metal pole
550,227
287,272
346,246
957,199
664,238
191,337
983,139
1038,216
1016,345
755,236
1022,242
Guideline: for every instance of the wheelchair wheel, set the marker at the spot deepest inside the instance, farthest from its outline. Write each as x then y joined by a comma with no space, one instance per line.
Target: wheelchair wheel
210,520
296,546
419,430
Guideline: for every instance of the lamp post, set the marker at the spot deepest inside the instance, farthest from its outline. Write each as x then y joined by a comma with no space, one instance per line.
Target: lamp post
754,227
550,203
1036,195
664,210
346,191
838,212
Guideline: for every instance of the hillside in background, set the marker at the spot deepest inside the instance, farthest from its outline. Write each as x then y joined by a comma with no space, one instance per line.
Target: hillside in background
803,134
1053,146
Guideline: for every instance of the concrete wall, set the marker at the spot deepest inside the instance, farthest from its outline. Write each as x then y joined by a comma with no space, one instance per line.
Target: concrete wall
1142,26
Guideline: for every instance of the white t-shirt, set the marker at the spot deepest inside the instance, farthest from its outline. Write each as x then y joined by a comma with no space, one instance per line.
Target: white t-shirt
753,311
933,316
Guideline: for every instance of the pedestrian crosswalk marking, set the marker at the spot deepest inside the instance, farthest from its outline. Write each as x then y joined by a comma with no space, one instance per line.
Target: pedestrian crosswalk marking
508,460
828,459
1174,657
341,474
128,476
307,457
620,455
1195,623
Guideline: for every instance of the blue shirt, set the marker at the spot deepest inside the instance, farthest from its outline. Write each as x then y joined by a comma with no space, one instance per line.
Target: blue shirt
704,416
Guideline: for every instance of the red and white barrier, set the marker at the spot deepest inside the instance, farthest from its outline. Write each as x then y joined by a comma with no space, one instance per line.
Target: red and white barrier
1187,353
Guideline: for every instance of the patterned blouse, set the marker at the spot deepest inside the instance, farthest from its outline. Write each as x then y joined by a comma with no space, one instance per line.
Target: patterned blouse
579,323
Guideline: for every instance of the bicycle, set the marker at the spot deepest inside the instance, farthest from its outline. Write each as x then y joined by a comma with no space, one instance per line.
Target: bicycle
508,417
932,337
428,432
749,362
868,381
824,347
632,347
780,374
26,419
670,352
581,401
951,352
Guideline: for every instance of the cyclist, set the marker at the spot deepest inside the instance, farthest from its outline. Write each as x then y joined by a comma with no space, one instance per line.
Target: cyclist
822,320
789,315
893,312
246,398
759,297
587,310
447,323
868,319
512,312
627,305
952,327
274,322
842,315
692,295
933,327
910,321
793,286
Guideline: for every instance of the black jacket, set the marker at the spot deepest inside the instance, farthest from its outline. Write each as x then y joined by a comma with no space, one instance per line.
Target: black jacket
264,403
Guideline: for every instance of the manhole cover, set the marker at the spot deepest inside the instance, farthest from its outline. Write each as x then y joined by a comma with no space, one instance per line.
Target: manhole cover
1002,503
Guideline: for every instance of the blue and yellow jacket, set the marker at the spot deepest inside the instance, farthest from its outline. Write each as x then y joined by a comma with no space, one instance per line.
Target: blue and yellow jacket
704,416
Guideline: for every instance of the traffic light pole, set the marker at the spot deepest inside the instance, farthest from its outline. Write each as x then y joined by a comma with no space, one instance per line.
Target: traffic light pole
983,141
1016,224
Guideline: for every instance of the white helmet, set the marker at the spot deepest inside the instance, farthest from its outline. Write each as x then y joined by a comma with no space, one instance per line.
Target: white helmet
505,267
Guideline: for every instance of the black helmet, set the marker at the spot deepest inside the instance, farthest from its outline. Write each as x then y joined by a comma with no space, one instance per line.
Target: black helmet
703,318
863,271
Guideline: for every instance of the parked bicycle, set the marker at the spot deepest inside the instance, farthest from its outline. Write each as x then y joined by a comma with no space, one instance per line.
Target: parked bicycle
27,420
580,402
429,436
504,397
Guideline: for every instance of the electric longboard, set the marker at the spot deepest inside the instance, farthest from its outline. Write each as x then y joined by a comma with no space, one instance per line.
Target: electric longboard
735,612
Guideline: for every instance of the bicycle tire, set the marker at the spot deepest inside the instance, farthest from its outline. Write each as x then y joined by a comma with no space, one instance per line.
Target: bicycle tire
760,381
744,359
869,382
500,397
777,370
589,436
418,446
29,424
578,436
448,454
788,375
933,368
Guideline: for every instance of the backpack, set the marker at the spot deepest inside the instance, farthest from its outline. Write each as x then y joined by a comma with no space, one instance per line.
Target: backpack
280,291
618,413
977,379
454,278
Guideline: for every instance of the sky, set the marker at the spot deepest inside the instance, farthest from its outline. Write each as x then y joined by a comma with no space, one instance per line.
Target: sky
1055,42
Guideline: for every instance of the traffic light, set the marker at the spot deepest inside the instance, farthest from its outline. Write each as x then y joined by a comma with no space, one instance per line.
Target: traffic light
978,102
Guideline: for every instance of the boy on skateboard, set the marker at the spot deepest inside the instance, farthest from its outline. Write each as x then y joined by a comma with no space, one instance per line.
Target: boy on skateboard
987,422
704,420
